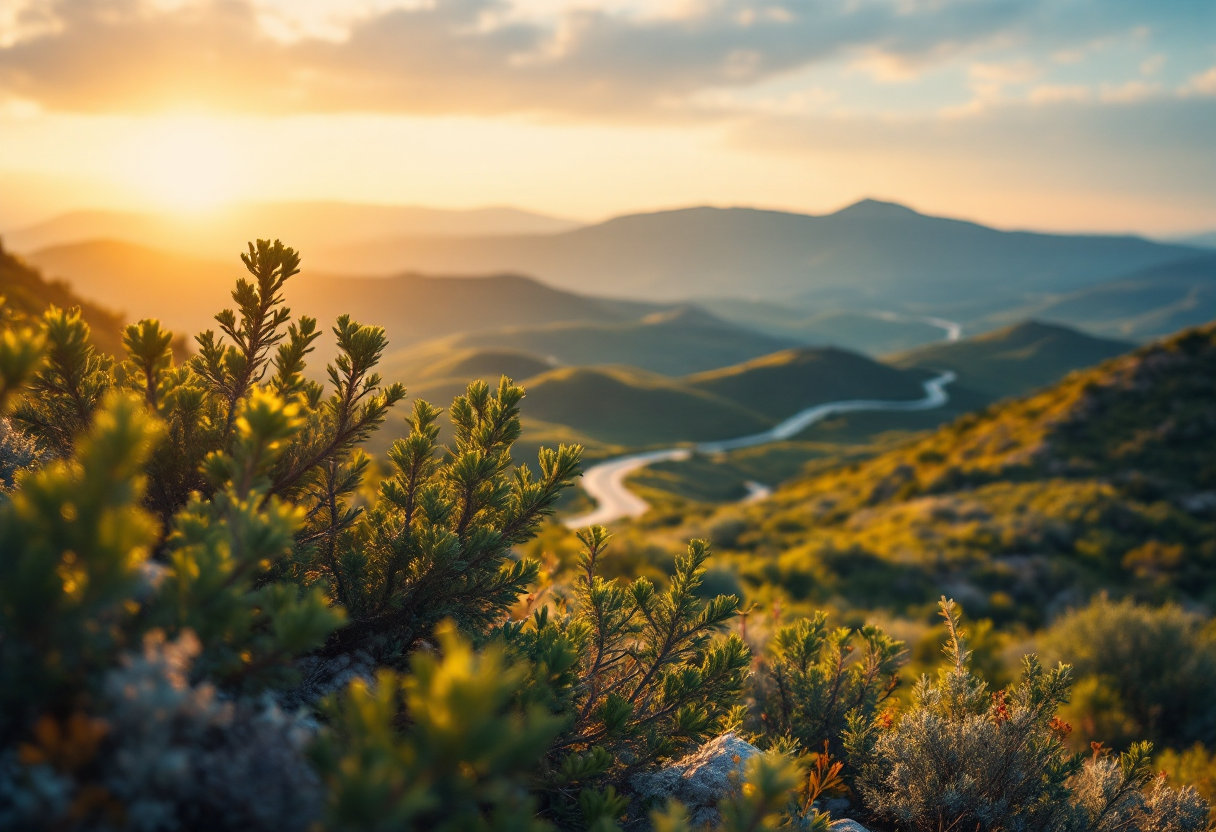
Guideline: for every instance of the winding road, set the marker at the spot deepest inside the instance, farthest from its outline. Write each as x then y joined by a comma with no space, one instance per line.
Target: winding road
605,482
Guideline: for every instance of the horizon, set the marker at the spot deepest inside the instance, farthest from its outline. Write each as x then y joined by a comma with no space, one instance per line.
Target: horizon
1077,118
218,212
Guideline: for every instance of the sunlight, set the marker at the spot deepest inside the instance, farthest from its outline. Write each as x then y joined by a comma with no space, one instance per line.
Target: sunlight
185,164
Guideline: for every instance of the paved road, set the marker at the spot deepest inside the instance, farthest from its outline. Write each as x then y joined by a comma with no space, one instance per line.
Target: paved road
605,482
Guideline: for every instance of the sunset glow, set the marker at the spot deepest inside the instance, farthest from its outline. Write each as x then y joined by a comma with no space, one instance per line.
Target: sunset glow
1078,116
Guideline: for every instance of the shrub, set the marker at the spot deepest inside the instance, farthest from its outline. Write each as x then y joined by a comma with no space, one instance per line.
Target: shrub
813,681
962,757
636,673
1142,673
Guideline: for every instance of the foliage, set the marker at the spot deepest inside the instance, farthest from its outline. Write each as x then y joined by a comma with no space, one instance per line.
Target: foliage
1142,672
457,763
814,681
962,757
635,671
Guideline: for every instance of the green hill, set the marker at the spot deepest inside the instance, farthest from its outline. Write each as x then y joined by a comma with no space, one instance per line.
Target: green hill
1015,360
484,364
28,293
783,383
872,333
675,342
1103,482
626,406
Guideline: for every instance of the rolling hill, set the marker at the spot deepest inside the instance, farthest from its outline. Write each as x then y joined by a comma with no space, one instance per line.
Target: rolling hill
321,224
874,333
28,293
1015,360
1150,303
1105,481
623,407
630,407
781,384
185,292
673,342
868,253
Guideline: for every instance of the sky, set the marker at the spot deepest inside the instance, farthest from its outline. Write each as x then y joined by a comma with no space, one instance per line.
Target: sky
1067,115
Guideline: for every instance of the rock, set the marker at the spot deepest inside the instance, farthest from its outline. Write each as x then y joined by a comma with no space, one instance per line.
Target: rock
700,779
846,825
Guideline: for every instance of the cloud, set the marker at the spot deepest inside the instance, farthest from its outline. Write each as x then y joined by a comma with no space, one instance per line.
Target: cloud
1156,148
1202,84
489,56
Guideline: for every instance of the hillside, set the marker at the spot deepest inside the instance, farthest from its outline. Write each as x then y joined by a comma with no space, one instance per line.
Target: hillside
870,252
322,224
626,406
783,383
1105,481
28,293
1015,360
675,343
873,333
1150,303
185,292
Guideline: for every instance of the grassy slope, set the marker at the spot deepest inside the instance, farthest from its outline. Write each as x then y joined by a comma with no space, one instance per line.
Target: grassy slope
781,384
1104,481
626,406
26,291
857,331
1015,360
674,343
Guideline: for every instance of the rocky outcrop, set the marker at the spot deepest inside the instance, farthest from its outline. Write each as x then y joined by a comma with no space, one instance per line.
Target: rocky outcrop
701,779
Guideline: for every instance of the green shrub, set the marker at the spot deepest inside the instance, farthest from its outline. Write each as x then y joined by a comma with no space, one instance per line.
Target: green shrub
813,681
1142,672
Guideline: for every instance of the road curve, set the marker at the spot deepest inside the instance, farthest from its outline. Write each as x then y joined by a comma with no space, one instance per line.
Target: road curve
605,482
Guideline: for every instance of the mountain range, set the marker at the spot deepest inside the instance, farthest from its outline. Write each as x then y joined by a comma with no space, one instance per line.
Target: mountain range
870,256
871,252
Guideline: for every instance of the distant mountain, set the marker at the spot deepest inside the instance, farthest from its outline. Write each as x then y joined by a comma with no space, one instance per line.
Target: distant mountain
1015,360
871,253
672,342
185,292
1207,240
303,225
1150,303
28,293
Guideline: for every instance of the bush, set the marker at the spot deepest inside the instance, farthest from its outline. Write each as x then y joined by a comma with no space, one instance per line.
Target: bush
964,758
1141,673
813,681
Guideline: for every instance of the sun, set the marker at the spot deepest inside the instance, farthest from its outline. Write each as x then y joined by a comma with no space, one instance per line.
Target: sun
185,164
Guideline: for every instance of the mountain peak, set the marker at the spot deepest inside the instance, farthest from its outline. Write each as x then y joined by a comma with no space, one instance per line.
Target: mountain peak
875,209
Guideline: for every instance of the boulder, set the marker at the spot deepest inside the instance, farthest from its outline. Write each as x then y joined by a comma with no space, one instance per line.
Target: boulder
847,825
700,779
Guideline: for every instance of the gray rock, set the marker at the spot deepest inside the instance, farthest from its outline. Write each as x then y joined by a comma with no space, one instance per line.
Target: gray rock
701,779
846,825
